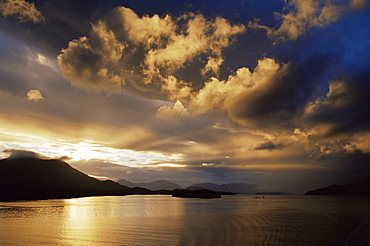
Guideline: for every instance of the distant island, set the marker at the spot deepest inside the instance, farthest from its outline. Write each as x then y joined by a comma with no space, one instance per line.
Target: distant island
361,188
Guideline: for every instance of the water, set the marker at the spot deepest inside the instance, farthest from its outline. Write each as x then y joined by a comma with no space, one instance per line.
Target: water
164,220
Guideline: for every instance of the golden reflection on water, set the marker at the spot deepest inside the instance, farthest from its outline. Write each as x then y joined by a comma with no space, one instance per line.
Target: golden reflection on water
163,220
87,221
78,223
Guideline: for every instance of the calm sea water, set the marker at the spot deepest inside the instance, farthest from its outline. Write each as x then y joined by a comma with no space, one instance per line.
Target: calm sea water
164,220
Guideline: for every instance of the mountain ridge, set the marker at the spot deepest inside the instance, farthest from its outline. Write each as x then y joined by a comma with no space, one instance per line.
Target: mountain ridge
361,188
31,178
34,178
153,186
241,188
49,172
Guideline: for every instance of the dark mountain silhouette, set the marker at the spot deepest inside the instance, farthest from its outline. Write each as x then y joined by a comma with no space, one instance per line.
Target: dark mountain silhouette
241,188
34,178
31,178
34,171
357,189
155,185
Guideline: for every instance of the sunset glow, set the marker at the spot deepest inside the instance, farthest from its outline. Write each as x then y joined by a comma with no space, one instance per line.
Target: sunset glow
274,93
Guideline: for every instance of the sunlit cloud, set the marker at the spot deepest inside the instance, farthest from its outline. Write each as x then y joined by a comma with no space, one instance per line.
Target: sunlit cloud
148,50
175,112
92,63
35,95
302,15
170,165
22,9
84,151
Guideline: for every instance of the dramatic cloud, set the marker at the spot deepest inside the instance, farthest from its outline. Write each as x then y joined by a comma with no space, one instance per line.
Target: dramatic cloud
241,96
23,10
303,15
340,116
199,37
187,92
35,95
91,62
146,50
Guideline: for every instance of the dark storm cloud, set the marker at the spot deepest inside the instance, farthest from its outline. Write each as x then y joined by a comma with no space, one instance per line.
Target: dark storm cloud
323,71
315,59
276,104
346,167
266,103
269,145
345,108
341,108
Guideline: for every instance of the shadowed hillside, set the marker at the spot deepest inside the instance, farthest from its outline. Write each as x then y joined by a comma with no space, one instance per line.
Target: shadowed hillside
34,171
30,178
357,189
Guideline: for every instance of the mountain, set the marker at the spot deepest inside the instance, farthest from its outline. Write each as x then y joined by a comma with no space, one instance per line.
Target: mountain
126,183
31,178
243,188
34,171
355,189
155,185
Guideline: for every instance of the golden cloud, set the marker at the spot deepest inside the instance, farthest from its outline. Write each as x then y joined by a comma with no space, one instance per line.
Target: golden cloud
147,50
91,62
35,95
144,29
302,16
238,95
175,112
225,95
54,127
23,10
199,37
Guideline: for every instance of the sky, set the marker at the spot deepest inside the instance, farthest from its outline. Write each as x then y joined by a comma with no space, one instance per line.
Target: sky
272,93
